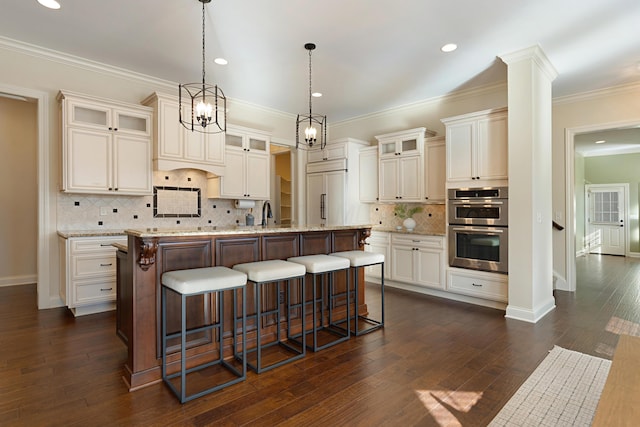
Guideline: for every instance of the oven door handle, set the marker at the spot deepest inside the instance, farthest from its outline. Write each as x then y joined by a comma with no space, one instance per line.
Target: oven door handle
478,203
480,230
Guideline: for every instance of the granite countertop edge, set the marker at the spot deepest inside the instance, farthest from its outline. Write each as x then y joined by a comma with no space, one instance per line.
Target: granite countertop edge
235,230
403,231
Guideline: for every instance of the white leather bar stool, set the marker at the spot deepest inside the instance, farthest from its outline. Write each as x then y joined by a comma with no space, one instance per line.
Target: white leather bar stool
201,281
274,272
358,259
325,265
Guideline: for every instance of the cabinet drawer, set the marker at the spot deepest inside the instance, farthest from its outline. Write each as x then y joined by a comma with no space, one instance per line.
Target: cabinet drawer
86,266
91,293
436,242
483,285
82,245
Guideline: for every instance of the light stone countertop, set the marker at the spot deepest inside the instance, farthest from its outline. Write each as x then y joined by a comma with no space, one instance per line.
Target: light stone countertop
404,231
90,233
233,230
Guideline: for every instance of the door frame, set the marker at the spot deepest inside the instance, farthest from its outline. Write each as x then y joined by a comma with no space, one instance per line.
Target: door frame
570,199
47,250
625,216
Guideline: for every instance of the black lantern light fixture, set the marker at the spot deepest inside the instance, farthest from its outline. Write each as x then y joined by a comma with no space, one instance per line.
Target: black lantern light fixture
203,107
314,137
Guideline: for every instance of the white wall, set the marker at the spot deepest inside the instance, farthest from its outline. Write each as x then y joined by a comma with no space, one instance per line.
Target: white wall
587,111
18,192
30,68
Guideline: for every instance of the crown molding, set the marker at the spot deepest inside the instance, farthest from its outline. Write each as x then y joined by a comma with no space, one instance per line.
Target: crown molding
98,67
598,93
79,62
453,96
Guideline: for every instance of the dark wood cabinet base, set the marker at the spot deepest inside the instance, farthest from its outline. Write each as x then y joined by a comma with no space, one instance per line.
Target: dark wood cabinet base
140,271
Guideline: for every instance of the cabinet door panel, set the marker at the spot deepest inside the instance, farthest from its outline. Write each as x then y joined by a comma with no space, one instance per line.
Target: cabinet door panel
410,179
428,268
88,160
435,171
232,183
336,184
492,148
194,145
132,165
315,191
402,265
388,180
459,151
215,148
170,131
257,176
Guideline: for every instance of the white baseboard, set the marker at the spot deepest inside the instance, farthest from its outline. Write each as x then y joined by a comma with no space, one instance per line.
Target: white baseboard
27,279
530,315
560,282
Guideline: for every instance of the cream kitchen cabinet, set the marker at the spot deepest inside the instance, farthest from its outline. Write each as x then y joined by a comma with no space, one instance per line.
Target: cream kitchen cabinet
247,171
368,170
106,146
378,243
418,259
333,185
326,197
88,273
332,151
400,172
176,147
435,170
481,284
400,179
477,146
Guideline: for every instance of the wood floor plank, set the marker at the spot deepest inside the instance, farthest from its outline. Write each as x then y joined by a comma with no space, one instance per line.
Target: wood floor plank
435,362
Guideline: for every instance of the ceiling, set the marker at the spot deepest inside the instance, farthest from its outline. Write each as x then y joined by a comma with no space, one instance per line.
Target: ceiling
371,54
616,141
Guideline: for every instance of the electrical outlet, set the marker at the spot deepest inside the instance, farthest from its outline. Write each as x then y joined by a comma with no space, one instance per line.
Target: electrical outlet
281,297
104,211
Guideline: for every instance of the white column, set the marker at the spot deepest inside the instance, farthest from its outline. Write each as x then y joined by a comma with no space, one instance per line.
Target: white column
530,203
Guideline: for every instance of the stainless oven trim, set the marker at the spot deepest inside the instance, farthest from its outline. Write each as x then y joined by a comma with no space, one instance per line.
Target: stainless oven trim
501,204
491,266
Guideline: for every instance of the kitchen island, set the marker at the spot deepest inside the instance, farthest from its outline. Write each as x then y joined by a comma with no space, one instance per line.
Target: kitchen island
151,252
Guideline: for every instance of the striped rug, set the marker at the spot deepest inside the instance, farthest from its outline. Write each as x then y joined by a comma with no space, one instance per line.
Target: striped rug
563,391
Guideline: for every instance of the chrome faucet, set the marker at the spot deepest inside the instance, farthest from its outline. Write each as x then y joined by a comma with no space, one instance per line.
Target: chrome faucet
266,205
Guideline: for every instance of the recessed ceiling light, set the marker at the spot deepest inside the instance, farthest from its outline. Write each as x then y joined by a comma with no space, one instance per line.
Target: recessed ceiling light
449,47
51,4
221,61
316,94
602,141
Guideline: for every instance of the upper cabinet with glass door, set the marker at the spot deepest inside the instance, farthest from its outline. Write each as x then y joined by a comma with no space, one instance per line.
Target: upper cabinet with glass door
405,143
98,116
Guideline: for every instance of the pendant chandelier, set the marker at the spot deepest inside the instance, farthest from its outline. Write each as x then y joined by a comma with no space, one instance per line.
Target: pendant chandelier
315,131
203,107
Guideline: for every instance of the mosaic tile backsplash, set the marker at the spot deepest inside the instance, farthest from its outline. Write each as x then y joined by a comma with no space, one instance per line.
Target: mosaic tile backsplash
430,220
95,212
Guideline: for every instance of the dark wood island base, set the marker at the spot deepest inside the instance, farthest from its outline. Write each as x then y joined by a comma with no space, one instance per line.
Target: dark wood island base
151,253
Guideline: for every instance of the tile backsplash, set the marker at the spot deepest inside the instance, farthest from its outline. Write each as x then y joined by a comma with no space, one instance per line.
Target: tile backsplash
430,220
96,212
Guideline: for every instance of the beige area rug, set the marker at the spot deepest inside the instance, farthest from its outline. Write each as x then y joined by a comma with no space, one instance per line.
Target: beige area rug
563,391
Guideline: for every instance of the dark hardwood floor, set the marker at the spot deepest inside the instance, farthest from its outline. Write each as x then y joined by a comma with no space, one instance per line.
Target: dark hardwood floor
436,362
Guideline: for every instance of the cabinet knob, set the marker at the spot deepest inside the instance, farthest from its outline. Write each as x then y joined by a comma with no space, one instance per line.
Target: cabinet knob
110,128
115,129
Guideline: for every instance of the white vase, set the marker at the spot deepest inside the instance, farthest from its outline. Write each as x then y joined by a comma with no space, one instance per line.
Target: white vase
409,224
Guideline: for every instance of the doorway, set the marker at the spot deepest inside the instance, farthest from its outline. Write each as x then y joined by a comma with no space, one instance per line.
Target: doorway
46,213
606,217
575,191
282,185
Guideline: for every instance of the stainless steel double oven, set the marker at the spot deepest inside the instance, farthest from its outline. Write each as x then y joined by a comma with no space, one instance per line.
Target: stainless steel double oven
478,228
